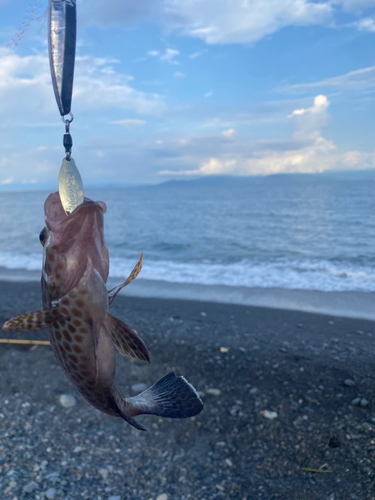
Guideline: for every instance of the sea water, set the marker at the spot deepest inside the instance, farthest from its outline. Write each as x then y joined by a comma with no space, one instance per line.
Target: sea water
286,232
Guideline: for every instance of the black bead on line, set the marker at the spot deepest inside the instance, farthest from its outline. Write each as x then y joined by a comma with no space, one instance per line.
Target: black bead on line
68,143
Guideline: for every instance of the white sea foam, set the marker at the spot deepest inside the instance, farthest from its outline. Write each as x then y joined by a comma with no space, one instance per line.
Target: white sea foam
283,273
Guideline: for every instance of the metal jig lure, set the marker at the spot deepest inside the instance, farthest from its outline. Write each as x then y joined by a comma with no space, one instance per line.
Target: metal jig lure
62,33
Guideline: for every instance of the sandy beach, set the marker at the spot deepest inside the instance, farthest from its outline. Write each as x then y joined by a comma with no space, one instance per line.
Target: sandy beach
313,373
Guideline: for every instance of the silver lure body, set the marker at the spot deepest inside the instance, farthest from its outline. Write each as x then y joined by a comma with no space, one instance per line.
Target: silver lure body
62,33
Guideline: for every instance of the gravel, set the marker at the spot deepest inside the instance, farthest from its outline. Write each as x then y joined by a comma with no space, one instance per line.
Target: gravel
229,451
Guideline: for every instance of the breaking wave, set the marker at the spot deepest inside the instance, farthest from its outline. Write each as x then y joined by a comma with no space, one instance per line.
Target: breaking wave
300,274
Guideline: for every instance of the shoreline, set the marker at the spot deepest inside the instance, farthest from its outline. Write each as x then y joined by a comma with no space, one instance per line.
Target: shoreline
350,304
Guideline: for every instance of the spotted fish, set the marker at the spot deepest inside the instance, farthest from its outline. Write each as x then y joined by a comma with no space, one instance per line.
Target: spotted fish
82,332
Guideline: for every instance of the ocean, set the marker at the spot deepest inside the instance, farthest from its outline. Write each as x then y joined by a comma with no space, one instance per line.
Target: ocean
284,232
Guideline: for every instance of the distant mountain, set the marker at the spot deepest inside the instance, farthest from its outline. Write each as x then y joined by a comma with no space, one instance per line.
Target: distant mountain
213,180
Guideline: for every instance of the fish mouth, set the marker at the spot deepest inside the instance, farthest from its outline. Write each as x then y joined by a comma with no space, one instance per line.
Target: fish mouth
55,215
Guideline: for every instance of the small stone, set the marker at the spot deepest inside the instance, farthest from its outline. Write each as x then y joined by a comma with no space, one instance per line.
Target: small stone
67,401
103,473
163,496
30,487
360,332
269,414
77,449
213,392
50,493
229,462
356,401
282,349
204,314
254,390
114,497
349,383
364,403
223,350
139,387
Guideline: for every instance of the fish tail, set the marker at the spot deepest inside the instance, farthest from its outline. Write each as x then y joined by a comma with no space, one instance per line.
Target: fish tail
170,397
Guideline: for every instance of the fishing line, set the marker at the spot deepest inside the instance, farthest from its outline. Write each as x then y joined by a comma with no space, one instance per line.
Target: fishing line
33,11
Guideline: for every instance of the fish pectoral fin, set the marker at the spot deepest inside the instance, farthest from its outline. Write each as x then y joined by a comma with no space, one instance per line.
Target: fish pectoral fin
137,269
32,321
126,339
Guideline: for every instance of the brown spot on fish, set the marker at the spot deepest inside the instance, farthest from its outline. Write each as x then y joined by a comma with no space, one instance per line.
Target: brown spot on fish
51,257
78,338
58,276
73,295
71,328
67,336
57,335
76,322
80,303
88,321
73,357
83,330
59,266
49,269
65,311
65,302
83,292
77,349
77,313
67,347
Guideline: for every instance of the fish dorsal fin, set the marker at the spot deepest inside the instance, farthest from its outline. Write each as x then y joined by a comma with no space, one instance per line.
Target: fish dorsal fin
137,269
126,339
32,321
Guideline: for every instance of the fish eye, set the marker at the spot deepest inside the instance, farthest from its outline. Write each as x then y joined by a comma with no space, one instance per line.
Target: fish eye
42,236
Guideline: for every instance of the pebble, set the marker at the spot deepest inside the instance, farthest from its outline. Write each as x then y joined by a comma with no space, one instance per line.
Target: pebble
103,473
356,401
269,414
139,387
229,462
349,383
213,392
163,496
77,449
364,403
67,401
223,350
114,497
50,493
30,487
204,314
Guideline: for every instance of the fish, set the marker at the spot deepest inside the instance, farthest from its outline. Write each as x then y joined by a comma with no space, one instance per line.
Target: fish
83,334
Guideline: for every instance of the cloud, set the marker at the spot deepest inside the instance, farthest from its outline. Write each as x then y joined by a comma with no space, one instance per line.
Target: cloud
199,53
153,53
365,24
229,134
242,21
25,87
308,122
5,182
169,56
223,21
129,123
354,80
209,94
307,152
179,76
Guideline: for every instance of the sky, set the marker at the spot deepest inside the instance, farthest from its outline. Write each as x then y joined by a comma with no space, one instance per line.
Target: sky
180,89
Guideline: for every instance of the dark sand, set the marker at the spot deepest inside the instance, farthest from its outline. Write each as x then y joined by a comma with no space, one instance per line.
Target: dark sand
292,363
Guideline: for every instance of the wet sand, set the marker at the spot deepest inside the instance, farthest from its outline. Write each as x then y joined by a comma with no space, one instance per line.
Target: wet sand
315,373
